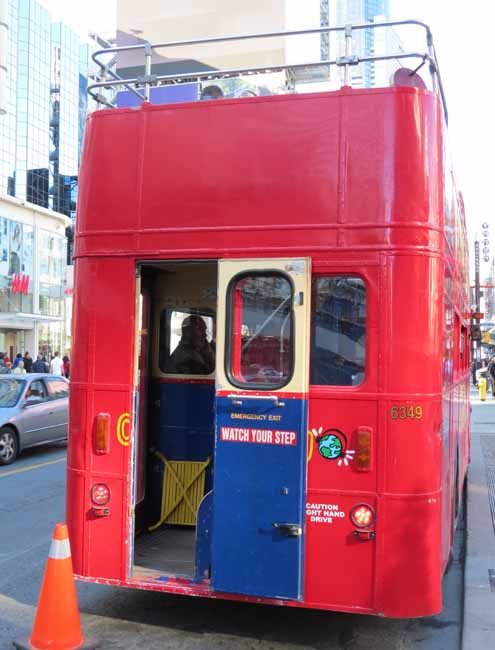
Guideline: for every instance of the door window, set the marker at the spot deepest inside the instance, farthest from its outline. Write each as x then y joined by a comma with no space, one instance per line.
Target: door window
338,331
36,389
260,330
57,388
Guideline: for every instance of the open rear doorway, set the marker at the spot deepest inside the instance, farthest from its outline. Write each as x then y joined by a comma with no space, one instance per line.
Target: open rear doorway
175,390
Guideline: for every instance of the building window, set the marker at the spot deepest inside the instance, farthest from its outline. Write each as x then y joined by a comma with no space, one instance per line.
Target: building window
52,256
16,266
50,339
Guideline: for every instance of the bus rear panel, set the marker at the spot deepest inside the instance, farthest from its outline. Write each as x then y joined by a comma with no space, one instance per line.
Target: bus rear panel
270,370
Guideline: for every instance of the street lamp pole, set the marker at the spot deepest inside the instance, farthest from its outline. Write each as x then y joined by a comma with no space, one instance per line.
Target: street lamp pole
476,344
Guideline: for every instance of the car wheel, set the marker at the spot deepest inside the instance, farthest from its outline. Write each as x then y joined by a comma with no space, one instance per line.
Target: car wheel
9,446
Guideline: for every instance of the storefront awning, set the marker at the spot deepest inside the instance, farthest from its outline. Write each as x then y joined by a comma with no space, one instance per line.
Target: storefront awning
21,321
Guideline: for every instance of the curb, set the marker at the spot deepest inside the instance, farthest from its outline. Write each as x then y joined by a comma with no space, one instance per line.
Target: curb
478,630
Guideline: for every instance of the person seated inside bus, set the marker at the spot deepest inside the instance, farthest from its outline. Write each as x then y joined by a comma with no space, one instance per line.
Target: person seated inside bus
194,355
211,92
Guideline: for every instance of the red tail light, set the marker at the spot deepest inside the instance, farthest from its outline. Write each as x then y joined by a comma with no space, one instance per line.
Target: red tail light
362,515
364,449
100,494
102,433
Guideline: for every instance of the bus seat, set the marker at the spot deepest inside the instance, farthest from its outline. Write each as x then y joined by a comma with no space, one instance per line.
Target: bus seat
407,77
264,354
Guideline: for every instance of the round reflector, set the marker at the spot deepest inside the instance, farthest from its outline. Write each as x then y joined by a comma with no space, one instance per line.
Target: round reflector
362,515
100,494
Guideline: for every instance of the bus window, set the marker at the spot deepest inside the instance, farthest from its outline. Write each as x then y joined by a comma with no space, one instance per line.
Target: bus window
338,331
261,330
186,342
462,348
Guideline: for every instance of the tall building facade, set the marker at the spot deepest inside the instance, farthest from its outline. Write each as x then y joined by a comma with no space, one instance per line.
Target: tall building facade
490,292
40,135
41,128
365,42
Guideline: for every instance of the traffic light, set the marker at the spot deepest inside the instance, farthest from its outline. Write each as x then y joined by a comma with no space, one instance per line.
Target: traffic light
475,332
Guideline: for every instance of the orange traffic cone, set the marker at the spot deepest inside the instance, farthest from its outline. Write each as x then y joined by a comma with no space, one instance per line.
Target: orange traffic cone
57,625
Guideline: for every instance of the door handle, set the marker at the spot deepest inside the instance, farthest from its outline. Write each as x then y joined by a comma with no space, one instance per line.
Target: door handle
290,530
238,399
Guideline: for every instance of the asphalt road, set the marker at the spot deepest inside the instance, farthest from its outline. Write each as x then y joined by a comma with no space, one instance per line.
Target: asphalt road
32,501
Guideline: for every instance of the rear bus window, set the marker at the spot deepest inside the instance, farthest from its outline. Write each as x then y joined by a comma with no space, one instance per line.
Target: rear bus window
338,331
260,330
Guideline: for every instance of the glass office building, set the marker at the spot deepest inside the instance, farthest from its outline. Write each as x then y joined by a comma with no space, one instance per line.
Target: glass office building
358,12
40,144
41,134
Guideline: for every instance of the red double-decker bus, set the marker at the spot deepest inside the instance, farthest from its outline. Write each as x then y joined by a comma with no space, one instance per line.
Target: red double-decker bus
270,375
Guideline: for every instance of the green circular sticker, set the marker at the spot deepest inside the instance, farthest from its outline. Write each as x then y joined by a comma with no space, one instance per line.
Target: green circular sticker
330,446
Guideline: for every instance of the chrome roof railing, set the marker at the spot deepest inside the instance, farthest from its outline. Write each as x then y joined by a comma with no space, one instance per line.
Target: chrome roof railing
147,80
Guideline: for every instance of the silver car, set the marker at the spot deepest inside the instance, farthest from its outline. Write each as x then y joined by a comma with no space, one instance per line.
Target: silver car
34,409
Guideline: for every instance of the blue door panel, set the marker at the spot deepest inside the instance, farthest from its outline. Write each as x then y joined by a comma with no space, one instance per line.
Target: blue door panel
185,420
258,484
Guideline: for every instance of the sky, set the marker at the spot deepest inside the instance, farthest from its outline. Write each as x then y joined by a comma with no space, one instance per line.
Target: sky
85,16
464,33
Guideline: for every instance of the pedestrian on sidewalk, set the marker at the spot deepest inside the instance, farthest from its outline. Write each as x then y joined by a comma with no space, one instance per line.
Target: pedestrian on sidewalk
6,368
66,361
19,369
491,374
18,358
57,365
28,362
39,365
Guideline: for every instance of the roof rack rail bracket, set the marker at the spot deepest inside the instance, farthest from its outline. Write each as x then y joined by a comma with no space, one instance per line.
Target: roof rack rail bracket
352,59
150,79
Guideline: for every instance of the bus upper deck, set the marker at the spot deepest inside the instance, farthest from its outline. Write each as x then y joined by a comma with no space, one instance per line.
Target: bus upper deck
281,282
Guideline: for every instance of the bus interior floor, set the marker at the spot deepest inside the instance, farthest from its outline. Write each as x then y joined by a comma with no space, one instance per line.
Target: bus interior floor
166,551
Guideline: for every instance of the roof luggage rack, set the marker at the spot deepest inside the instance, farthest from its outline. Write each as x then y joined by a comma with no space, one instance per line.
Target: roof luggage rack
141,85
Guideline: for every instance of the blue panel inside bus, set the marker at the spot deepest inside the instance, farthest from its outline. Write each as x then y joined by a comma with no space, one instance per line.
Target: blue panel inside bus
184,422
259,485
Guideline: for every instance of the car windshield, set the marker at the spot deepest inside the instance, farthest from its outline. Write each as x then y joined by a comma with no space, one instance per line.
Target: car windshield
10,391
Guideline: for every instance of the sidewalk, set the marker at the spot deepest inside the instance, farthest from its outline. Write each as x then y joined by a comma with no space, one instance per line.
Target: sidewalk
479,571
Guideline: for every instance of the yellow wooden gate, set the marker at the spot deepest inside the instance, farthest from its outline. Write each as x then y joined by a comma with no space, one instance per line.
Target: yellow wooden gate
183,489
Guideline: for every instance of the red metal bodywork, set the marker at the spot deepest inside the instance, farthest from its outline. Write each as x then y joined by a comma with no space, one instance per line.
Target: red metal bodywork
353,179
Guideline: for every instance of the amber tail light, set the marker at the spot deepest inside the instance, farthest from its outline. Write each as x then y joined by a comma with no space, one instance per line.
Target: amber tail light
102,433
364,452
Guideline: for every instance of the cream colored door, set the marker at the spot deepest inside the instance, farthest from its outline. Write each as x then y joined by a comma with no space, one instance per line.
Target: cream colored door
262,368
